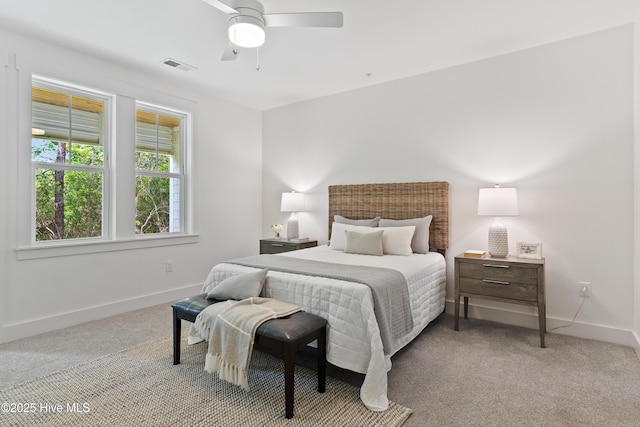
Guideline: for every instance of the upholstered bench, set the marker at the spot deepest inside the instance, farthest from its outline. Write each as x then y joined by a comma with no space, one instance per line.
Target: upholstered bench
286,335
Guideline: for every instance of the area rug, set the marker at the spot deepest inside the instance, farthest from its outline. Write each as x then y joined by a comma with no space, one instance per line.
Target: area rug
140,386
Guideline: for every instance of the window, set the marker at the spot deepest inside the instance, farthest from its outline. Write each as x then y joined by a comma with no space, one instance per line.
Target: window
159,169
104,172
70,162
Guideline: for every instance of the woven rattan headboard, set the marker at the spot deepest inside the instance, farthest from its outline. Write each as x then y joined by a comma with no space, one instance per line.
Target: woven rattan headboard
395,201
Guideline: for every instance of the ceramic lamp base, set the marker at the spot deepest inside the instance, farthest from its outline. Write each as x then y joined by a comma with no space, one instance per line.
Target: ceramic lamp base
292,227
498,240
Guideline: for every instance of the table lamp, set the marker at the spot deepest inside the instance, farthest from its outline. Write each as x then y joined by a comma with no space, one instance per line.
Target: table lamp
292,202
498,202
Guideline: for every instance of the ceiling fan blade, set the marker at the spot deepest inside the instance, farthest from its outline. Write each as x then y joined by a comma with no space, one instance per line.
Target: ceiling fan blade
230,53
307,19
221,6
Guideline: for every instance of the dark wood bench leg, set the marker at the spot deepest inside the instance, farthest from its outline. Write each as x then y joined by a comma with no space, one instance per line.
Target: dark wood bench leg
289,351
322,360
177,323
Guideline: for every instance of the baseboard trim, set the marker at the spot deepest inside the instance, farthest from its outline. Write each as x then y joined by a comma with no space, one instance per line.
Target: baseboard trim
530,320
636,344
18,330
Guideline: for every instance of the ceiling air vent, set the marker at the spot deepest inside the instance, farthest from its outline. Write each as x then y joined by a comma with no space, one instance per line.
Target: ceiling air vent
179,65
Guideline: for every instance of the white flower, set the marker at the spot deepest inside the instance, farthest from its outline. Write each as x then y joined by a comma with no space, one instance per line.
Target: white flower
276,228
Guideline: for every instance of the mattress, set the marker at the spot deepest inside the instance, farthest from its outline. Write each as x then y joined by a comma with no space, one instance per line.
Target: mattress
353,337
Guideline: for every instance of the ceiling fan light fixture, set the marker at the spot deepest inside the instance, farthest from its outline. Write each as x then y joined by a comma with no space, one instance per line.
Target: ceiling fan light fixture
246,31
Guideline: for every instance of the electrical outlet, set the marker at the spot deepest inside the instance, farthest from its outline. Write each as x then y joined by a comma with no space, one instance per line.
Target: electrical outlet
584,289
168,266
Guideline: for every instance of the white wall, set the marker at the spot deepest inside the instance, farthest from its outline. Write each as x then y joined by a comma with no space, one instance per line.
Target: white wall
39,295
554,121
636,327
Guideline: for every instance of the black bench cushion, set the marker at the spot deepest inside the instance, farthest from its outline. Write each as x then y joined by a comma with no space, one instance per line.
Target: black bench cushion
190,307
281,329
292,327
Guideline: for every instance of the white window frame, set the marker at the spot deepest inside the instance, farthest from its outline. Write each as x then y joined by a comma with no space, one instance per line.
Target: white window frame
105,170
121,226
181,175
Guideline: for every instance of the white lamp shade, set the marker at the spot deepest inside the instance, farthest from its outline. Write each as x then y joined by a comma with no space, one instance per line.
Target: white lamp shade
292,202
246,31
498,201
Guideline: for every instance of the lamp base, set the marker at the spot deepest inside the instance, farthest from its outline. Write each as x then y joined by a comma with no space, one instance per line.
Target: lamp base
292,227
498,240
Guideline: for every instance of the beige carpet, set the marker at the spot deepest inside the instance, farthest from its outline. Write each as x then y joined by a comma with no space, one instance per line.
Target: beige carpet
140,387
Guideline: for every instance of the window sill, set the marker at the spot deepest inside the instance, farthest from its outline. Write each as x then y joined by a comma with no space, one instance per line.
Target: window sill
81,248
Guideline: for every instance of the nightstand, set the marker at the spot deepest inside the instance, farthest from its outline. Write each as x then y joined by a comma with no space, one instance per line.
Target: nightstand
513,280
276,246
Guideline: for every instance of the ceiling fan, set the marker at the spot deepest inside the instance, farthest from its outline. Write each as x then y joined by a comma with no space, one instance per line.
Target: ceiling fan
247,21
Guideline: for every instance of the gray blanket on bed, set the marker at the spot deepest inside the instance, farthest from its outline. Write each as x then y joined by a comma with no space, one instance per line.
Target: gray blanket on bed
388,287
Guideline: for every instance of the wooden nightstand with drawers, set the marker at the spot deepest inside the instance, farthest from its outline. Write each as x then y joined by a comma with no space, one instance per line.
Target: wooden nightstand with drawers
276,246
513,280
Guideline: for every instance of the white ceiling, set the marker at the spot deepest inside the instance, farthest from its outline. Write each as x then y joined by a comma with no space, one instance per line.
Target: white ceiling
380,40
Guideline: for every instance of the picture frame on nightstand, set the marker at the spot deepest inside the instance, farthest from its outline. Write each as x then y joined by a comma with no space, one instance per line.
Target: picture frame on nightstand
529,250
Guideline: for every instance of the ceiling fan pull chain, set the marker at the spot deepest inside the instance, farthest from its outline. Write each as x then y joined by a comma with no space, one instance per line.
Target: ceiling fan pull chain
257,59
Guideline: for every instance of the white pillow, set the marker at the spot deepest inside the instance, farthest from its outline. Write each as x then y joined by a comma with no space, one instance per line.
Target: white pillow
420,241
397,240
338,238
364,243
239,286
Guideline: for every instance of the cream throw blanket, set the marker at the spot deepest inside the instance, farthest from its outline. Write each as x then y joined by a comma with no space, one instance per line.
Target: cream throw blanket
230,328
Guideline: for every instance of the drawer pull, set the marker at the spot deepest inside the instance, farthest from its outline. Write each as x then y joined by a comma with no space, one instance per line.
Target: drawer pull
495,282
495,266
278,245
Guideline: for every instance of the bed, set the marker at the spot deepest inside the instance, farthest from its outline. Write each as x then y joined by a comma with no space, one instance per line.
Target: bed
359,337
